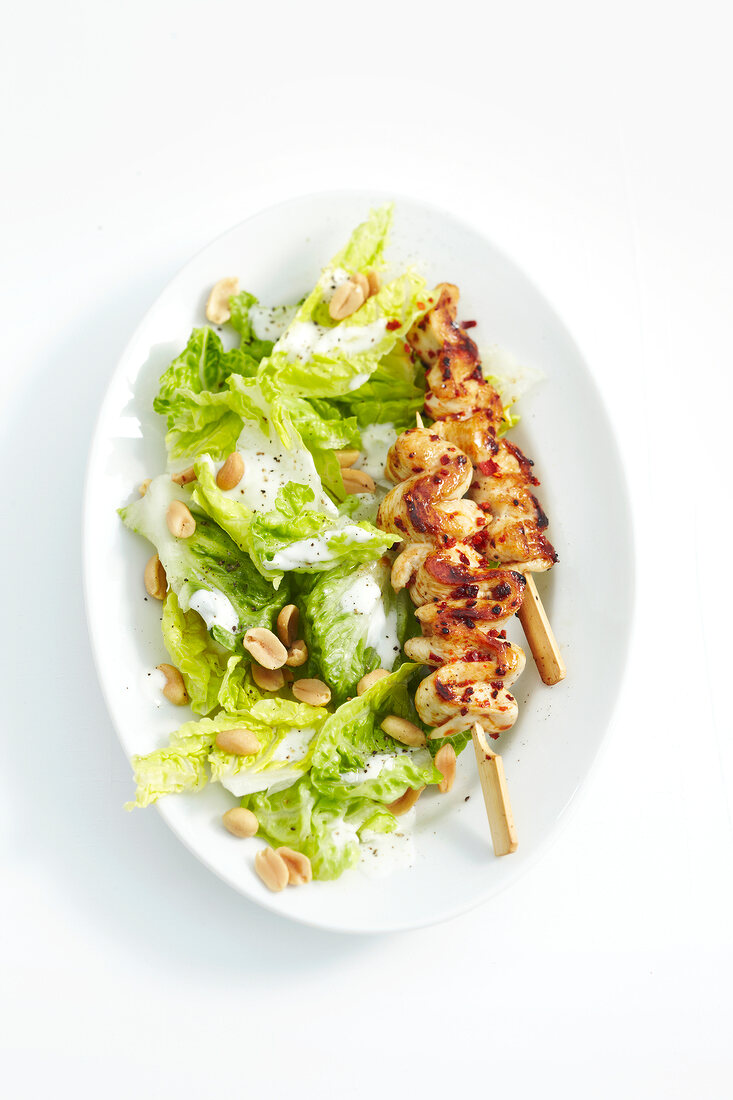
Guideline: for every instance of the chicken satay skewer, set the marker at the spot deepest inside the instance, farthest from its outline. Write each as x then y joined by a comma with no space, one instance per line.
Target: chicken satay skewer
496,795
468,410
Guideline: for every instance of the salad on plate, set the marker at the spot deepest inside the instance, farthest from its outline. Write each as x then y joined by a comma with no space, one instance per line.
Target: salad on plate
284,631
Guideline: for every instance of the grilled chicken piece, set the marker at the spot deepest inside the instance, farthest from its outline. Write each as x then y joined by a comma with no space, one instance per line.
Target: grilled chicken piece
506,660
454,572
455,696
454,376
434,475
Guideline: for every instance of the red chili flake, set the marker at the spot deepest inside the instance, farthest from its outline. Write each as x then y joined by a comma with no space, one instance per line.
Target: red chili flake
420,305
444,460
430,300
392,325
488,467
494,736
469,324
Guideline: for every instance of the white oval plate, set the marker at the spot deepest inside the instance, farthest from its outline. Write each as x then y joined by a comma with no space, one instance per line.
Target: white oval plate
278,255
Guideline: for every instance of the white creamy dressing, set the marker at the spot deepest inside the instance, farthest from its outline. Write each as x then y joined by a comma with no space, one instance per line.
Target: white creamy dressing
304,339
358,380
305,552
380,854
331,280
344,834
376,441
291,749
364,597
379,763
270,324
152,683
215,609
294,745
268,467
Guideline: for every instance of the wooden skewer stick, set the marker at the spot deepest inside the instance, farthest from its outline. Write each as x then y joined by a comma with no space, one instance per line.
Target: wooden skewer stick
538,633
418,418
496,796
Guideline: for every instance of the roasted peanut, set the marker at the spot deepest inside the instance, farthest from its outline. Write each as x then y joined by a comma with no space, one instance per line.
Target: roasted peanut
231,473
405,802
156,582
144,486
347,458
297,654
445,762
185,477
239,742
314,692
272,869
346,300
287,624
371,678
356,481
240,822
375,283
265,647
267,679
402,730
217,307
286,674
298,865
179,519
175,689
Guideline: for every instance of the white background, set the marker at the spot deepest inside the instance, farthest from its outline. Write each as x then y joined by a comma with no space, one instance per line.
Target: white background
593,144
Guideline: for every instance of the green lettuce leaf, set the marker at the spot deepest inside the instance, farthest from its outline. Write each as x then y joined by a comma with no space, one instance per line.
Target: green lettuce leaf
286,730
179,767
392,395
353,757
208,560
202,365
211,422
191,649
325,830
353,622
291,536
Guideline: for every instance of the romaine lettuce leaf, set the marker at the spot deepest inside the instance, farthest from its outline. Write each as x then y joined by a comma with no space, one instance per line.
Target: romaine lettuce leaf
353,757
283,726
291,536
202,666
393,393
178,767
286,730
202,365
351,624
317,357
325,830
211,422
208,560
